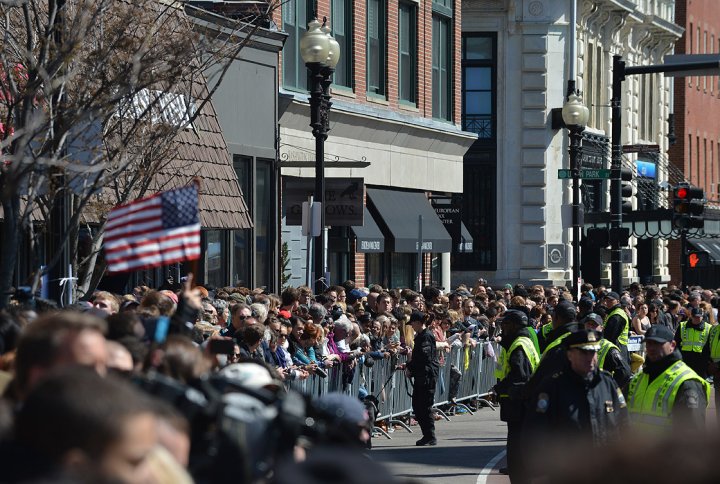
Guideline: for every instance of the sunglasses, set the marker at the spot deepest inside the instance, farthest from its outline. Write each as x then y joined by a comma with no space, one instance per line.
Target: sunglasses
243,318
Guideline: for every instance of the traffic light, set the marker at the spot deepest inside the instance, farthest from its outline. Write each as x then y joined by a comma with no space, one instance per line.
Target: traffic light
688,207
626,176
697,259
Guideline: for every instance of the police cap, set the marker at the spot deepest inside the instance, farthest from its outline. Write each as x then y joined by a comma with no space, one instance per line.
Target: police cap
584,339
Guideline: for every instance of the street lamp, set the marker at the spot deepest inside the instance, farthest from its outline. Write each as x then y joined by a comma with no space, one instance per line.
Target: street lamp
320,52
575,115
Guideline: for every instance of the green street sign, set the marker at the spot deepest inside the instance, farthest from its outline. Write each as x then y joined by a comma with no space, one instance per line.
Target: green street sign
588,174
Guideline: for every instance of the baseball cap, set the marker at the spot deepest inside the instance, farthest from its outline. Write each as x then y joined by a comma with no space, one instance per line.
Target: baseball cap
697,312
566,309
612,295
355,295
592,317
515,316
584,339
659,333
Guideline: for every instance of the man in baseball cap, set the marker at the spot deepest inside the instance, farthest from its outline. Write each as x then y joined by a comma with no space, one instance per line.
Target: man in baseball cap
617,323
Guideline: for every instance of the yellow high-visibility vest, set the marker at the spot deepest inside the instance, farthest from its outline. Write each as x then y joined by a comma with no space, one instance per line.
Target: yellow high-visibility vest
625,334
693,340
650,403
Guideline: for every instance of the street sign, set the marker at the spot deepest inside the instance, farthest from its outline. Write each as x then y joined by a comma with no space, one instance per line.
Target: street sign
639,148
586,174
589,174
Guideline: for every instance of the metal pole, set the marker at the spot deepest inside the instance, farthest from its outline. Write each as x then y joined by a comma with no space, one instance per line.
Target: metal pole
616,164
317,122
683,259
420,254
575,137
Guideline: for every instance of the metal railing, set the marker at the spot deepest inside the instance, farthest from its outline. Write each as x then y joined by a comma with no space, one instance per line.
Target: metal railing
465,381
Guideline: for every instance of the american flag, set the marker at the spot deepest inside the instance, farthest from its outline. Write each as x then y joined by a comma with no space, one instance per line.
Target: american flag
154,231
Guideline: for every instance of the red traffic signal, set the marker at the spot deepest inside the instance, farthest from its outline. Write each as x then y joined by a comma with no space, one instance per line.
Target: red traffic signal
698,259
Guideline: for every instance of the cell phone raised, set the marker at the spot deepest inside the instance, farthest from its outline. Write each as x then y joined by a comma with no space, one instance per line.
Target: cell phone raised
221,346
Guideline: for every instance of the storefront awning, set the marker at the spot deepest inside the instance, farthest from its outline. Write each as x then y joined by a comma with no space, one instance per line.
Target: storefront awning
398,213
711,246
466,240
368,236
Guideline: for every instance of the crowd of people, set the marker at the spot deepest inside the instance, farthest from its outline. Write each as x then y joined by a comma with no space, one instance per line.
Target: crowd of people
190,383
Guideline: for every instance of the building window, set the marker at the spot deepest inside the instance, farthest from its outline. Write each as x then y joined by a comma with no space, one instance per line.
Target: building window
478,86
342,30
376,20
214,258
295,15
242,239
407,56
263,204
441,70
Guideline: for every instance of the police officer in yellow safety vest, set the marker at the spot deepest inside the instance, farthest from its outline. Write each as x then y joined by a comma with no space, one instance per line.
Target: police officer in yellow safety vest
609,357
616,324
714,367
520,360
667,394
691,338
553,359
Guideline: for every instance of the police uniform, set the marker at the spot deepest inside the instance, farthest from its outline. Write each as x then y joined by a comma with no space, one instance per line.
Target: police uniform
617,326
609,357
714,346
667,394
519,361
586,408
424,368
692,341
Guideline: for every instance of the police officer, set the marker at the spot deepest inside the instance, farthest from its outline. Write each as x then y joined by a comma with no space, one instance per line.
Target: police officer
423,367
580,402
609,357
616,324
692,338
553,358
520,361
667,393
714,366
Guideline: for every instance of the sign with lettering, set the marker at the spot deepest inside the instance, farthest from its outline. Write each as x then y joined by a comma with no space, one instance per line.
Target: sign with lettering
449,214
344,200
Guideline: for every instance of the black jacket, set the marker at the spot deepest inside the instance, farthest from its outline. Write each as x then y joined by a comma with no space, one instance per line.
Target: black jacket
568,406
613,328
513,385
688,413
616,364
551,361
423,365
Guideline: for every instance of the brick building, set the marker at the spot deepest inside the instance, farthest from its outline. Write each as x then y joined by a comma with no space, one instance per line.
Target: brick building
395,123
696,151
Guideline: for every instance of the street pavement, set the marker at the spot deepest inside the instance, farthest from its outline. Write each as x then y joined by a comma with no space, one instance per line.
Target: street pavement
470,450
466,446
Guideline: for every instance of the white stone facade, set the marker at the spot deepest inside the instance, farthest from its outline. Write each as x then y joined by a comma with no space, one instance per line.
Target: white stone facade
532,71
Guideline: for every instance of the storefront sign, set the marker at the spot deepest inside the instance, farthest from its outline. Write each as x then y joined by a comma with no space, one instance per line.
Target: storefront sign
449,215
344,200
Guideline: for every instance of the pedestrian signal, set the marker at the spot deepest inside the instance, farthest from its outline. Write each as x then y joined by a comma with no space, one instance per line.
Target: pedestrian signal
698,259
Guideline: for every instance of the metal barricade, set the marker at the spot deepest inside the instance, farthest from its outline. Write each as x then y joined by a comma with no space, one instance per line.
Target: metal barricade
474,366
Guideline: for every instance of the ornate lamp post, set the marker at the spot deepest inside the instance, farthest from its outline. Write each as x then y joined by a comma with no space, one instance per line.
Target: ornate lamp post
320,52
575,115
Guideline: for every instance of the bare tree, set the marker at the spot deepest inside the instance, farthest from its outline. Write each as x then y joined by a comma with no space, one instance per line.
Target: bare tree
93,96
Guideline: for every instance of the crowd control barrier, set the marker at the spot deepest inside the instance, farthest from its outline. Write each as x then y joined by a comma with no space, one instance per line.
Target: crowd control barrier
466,379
